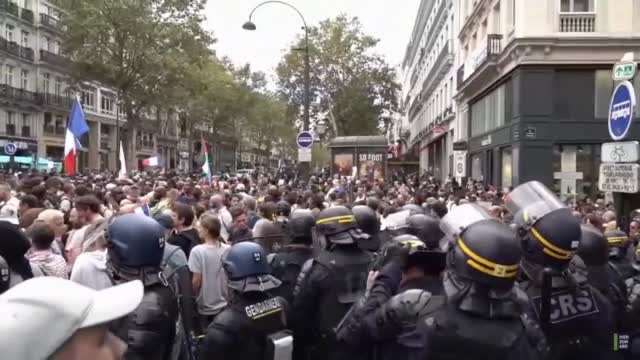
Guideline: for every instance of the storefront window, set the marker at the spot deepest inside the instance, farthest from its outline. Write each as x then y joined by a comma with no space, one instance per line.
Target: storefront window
604,86
489,112
507,174
576,169
476,167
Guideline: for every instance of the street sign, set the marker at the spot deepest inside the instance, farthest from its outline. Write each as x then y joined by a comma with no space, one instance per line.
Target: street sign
460,165
304,155
620,152
621,178
10,149
625,70
621,110
304,140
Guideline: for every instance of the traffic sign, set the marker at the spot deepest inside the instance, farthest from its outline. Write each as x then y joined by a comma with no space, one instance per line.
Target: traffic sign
304,155
620,152
460,165
620,178
621,110
624,70
304,140
10,148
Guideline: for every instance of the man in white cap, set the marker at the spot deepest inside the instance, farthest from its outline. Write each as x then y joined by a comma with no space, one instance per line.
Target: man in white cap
69,321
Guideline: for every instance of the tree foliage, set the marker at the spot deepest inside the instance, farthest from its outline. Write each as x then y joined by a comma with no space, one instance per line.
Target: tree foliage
351,86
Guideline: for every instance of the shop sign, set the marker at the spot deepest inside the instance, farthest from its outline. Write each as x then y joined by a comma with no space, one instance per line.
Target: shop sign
530,133
460,165
486,141
184,154
620,178
20,145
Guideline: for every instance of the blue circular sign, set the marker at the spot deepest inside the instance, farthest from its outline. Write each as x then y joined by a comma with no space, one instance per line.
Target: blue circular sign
621,110
10,149
304,140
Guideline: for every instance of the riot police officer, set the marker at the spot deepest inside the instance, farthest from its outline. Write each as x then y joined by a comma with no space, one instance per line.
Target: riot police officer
577,319
287,263
253,325
369,224
427,229
329,284
135,246
625,281
592,257
479,294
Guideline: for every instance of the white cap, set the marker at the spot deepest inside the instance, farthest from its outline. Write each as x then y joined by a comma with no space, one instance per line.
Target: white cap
50,310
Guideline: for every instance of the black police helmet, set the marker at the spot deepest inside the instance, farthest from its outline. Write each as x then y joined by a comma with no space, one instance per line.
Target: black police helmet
338,225
426,228
593,248
283,208
618,243
247,268
366,219
431,261
487,253
299,227
413,209
135,241
5,275
552,240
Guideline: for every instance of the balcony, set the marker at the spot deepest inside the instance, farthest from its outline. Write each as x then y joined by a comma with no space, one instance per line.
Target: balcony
15,94
441,66
51,129
486,56
57,101
10,7
49,22
582,22
53,58
12,47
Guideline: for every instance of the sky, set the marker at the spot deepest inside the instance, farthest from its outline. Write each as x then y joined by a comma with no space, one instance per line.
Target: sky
277,25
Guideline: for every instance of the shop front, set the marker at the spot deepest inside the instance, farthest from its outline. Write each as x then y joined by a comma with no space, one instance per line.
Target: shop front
17,155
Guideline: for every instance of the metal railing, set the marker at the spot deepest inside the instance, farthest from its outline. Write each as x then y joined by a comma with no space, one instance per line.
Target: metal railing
9,92
49,21
578,22
53,58
57,100
15,49
27,15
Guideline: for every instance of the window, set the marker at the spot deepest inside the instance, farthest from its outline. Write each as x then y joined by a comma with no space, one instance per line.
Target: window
89,99
24,79
26,125
49,125
506,167
58,86
10,127
46,77
577,6
46,43
58,49
25,39
106,104
8,32
8,75
489,112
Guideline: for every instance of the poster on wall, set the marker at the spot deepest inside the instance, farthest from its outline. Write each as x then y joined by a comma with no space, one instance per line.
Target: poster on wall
343,164
371,165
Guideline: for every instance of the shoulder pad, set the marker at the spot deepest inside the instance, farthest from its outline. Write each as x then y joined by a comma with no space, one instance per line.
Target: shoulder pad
306,269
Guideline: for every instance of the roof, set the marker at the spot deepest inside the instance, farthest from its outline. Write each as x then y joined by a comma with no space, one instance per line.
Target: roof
353,141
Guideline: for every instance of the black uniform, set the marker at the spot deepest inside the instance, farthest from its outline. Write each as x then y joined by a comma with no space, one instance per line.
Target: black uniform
287,265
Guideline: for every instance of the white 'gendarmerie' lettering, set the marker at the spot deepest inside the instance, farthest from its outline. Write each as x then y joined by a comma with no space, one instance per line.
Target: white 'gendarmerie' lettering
261,308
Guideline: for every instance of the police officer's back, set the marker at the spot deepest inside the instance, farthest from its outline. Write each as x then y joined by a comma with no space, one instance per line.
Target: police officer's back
135,252
329,284
287,263
578,320
253,325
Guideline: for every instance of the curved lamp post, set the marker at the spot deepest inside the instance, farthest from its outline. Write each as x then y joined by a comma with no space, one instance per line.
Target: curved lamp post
251,26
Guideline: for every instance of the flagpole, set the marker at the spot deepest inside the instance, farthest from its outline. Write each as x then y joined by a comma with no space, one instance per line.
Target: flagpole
118,145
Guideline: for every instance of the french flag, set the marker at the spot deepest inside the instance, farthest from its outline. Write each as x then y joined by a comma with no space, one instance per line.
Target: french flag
76,128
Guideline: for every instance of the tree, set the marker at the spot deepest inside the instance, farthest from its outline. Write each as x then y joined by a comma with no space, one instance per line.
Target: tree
351,86
147,50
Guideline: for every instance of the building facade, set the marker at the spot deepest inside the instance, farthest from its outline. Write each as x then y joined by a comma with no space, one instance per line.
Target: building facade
534,86
429,78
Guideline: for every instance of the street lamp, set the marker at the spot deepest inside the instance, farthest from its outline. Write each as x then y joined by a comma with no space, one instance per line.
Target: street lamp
251,26
321,127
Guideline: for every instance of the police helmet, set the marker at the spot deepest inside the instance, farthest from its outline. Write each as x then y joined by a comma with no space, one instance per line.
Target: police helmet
248,269
618,243
299,227
431,260
413,209
593,248
5,275
548,231
339,226
283,208
135,241
486,250
426,228
367,220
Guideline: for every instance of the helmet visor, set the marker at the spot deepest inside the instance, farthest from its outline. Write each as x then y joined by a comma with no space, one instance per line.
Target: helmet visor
460,218
531,201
